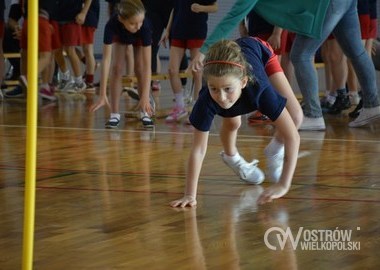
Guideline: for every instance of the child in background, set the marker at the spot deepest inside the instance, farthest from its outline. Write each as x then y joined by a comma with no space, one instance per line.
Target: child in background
89,27
188,29
70,17
237,84
128,26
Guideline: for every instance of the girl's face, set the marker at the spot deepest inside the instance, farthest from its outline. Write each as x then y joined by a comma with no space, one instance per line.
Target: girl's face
226,90
134,23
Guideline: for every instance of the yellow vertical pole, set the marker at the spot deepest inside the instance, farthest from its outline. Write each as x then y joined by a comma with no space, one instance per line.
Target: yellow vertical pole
31,136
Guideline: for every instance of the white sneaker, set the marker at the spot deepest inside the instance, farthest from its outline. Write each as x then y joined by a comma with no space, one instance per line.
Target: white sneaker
176,114
65,85
366,116
80,87
275,164
248,172
313,124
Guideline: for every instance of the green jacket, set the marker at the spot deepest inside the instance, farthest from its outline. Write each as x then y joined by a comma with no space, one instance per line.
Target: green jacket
304,17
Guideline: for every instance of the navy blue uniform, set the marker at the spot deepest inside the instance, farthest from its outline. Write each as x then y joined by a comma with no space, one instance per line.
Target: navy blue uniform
115,31
2,8
187,24
258,96
92,17
51,7
68,10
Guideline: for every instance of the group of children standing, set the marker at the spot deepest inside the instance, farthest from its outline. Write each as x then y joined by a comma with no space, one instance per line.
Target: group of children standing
63,26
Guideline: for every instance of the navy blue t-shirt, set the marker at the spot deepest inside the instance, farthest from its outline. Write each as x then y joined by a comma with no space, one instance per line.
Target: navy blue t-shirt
68,10
2,8
92,17
372,9
49,6
363,7
187,24
258,96
114,31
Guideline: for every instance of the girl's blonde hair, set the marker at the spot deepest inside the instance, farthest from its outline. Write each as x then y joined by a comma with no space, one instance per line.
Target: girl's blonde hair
129,8
226,58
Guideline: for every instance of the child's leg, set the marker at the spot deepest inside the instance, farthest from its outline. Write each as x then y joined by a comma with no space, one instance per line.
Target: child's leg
90,62
197,76
176,54
115,79
71,37
74,61
228,134
88,50
281,84
44,60
44,64
61,62
128,52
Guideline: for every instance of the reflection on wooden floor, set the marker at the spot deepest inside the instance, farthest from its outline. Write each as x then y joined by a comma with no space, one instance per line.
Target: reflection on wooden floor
102,197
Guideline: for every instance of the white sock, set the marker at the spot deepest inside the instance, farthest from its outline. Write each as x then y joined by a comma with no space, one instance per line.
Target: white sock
115,115
232,159
78,80
65,75
179,100
273,147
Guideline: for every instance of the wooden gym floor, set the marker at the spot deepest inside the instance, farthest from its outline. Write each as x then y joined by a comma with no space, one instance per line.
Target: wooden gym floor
102,196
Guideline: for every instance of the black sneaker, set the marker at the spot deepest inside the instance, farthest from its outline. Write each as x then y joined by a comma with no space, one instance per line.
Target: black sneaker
14,93
355,113
341,103
112,123
147,121
327,102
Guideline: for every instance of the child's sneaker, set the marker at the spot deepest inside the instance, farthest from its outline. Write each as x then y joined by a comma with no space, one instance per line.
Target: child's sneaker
328,100
112,123
14,93
90,87
47,93
257,117
65,85
366,116
309,123
176,114
80,87
156,86
275,164
248,172
355,113
146,120
342,102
